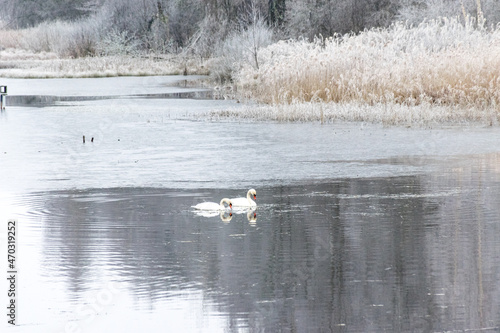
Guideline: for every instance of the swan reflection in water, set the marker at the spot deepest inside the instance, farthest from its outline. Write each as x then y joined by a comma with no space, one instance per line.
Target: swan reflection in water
251,214
252,217
225,216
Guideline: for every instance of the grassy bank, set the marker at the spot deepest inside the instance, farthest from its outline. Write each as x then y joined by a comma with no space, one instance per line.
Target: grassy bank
441,71
16,63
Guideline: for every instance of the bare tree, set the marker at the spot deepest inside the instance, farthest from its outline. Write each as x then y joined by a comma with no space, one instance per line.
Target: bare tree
27,13
202,26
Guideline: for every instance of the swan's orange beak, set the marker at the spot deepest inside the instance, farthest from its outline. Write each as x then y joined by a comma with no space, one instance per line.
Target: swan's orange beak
231,205
255,196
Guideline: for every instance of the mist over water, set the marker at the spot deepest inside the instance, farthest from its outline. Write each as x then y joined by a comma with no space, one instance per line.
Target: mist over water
359,228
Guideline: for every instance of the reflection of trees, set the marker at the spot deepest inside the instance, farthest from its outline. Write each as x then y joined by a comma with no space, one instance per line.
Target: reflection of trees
114,233
69,258
351,264
415,253
466,237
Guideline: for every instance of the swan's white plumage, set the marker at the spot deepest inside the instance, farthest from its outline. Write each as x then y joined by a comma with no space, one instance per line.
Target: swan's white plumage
213,206
246,202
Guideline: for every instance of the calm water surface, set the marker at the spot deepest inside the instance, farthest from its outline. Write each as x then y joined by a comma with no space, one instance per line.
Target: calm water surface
359,228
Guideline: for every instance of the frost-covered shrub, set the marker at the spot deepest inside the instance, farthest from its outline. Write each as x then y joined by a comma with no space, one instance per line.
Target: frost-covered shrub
73,39
416,11
48,37
118,43
241,48
10,38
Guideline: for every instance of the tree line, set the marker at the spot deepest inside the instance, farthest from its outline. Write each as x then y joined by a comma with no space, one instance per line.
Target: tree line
172,25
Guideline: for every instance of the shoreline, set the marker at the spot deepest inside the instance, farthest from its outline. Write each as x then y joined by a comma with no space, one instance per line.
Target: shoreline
20,64
388,114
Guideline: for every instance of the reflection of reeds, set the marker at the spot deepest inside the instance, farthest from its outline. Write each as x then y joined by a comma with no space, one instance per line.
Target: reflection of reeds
440,63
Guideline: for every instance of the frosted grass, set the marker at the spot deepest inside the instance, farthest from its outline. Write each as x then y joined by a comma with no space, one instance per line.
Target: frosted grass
16,63
382,113
402,73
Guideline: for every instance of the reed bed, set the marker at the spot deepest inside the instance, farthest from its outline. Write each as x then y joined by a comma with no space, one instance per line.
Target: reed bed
441,66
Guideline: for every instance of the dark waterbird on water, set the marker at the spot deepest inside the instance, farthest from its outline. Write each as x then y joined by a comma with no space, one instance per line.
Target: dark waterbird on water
91,140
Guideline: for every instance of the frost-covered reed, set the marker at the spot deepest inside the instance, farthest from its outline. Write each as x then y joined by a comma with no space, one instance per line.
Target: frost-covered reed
423,114
441,63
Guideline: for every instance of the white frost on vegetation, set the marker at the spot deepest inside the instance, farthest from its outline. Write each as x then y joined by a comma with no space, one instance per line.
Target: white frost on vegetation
23,64
423,114
443,65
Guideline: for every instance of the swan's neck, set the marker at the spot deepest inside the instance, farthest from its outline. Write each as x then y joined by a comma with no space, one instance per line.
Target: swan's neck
249,197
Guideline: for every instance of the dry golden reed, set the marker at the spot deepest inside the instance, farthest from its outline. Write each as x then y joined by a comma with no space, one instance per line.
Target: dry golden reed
442,63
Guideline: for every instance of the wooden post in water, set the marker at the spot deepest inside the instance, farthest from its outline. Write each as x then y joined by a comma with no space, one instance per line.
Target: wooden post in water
3,97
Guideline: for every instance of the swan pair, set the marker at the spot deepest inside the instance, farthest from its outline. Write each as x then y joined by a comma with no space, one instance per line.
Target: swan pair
240,203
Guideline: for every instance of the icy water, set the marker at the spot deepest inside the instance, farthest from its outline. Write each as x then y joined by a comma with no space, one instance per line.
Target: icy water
359,228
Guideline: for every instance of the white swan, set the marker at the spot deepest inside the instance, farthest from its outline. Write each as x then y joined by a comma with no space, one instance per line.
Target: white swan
213,206
246,202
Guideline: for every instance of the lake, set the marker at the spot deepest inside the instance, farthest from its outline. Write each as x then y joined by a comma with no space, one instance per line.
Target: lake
359,227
